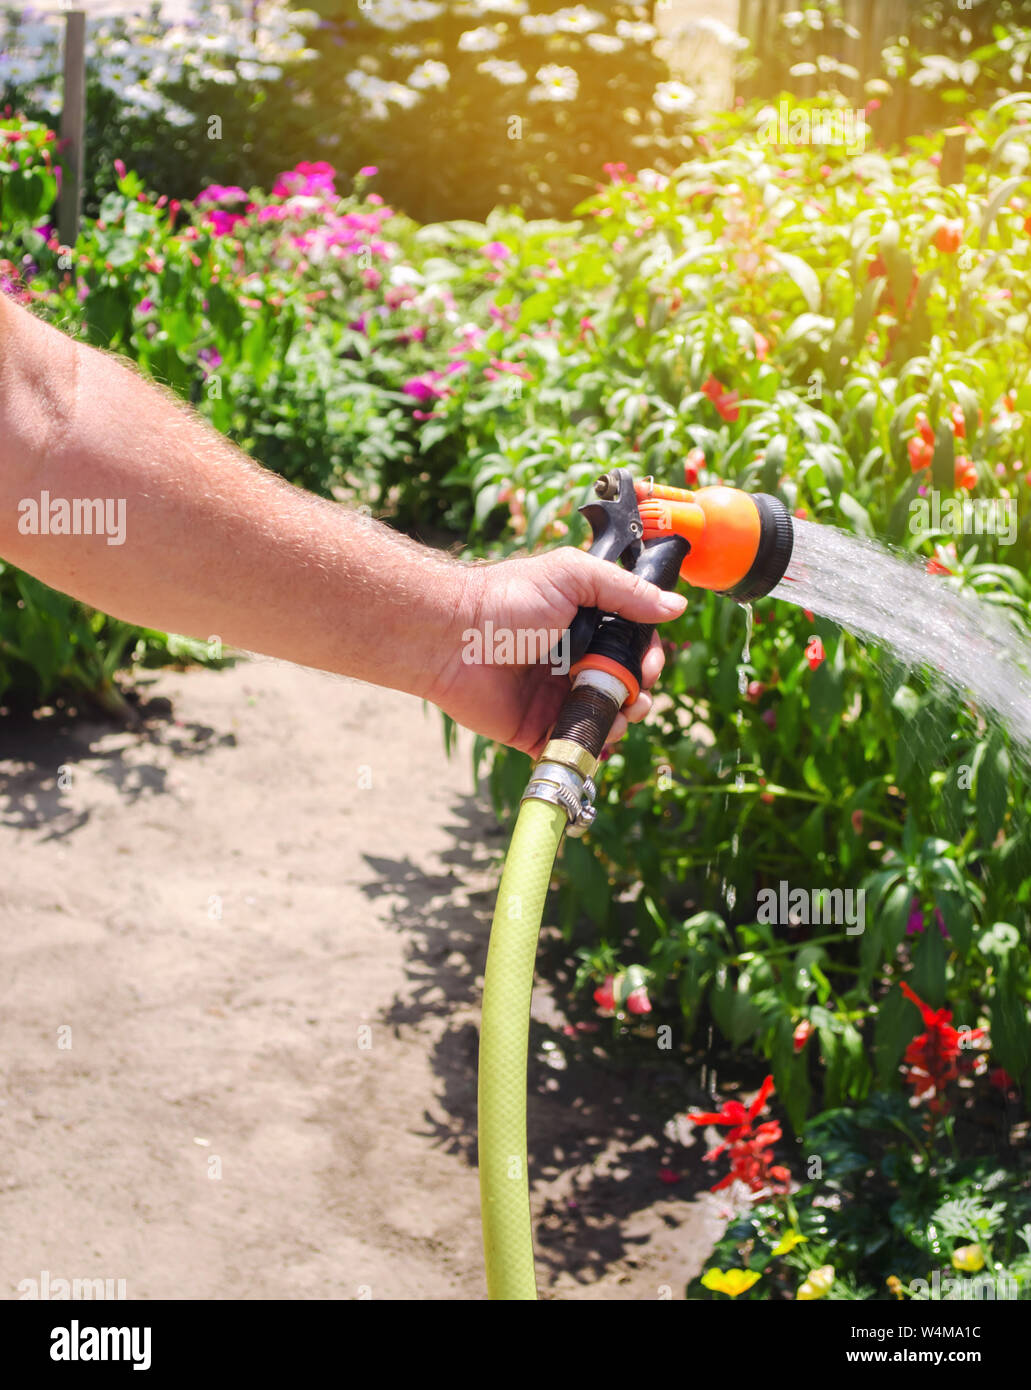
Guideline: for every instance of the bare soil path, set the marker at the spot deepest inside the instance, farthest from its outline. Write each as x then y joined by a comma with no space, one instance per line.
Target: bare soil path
240,967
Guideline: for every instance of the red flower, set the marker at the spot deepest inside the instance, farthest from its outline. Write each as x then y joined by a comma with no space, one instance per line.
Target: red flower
921,453
923,427
959,423
966,473
802,1034
605,997
932,1058
747,1144
668,1175
693,465
725,401
814,653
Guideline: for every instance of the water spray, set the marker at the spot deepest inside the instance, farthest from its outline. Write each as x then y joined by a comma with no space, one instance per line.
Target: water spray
734,543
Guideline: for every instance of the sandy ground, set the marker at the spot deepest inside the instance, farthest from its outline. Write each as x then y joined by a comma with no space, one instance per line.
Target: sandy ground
240,965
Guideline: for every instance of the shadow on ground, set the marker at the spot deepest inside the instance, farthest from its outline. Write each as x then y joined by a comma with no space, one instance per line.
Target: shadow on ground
42,750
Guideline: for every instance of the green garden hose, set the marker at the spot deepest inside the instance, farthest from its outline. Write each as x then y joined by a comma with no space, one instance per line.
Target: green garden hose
505,1030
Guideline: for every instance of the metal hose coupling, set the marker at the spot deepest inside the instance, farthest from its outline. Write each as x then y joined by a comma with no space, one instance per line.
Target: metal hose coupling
564,774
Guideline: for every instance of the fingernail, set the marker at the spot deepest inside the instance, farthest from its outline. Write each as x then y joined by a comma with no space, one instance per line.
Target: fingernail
672,603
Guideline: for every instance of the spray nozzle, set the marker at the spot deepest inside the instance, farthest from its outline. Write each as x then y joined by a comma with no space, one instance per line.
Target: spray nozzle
721,538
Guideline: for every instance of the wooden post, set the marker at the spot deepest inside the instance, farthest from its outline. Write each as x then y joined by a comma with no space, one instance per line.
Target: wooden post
73,126
954,156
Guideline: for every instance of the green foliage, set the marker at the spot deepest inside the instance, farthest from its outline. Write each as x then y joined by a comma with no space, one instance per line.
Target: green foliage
882,1214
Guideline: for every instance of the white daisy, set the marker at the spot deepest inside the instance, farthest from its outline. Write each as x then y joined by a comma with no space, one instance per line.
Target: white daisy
429,74
402,95
637,31
604,43
673,96
579,20
537,24
509,74
480,40
555,83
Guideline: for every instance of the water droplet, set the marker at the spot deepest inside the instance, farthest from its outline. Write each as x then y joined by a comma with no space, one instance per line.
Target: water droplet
746,653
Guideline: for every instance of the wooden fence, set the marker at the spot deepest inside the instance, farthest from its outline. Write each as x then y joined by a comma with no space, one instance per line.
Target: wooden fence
878,22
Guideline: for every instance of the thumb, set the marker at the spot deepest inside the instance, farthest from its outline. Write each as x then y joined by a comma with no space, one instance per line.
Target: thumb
593,583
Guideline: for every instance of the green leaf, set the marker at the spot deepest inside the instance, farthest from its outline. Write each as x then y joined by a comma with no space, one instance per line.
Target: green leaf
992,783
897,1023
802,274
928,976
943,465
997,201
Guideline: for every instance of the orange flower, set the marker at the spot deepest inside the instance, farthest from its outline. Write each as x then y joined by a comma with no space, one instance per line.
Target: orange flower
948,236
725,401
920,453
966,473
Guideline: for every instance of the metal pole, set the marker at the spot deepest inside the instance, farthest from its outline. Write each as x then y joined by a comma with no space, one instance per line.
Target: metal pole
73,126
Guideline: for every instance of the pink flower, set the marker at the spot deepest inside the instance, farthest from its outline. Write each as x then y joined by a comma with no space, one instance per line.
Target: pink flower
223,223
221,193
500,368
496,252
915,923
427,387
367,171
307,179
120,168
637,1001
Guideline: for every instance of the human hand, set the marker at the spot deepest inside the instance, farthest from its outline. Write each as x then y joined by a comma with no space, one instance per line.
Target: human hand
518,703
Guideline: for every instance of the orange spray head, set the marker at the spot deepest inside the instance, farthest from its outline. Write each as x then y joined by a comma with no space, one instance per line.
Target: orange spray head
740,542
